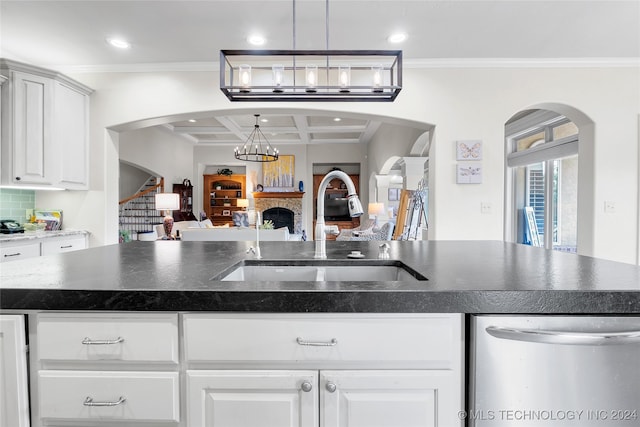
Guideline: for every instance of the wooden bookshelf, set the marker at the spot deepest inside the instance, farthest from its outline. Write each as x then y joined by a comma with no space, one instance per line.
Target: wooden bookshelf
221,194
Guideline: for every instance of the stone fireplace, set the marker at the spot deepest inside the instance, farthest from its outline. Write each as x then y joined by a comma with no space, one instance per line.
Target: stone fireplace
290,200
280,217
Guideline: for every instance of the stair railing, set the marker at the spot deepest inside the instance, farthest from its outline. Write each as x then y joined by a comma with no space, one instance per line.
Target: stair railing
139,220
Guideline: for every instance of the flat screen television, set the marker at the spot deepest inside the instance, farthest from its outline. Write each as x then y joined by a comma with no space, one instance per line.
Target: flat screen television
336,208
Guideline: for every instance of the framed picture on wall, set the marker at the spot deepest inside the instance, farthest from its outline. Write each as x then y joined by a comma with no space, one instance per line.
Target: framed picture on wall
394,194
469,150
467,173
279,173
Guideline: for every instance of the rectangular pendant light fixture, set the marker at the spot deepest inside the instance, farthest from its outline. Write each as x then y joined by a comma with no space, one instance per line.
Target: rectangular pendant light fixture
311,75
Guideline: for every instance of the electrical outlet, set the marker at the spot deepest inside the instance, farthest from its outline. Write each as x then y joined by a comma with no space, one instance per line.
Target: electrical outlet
485,207
28,213
609,206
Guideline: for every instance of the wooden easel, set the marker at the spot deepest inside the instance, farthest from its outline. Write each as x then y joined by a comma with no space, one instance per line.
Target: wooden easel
405,196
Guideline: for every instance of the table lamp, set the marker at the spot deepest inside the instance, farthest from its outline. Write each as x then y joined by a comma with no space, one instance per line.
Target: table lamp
243,203
376,209
167,202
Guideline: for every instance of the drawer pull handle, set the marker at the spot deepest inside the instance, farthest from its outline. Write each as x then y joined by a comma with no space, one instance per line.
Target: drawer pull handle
89,402
331,343
13,254
306,386
331,387
89,341
66,247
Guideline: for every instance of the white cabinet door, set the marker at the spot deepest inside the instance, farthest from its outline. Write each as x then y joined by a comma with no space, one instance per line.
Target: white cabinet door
252,398
14,400
71,127
33,148
420,398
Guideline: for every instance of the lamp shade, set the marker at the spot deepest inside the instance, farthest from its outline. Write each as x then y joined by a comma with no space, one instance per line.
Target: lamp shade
167,201
376,208
243,203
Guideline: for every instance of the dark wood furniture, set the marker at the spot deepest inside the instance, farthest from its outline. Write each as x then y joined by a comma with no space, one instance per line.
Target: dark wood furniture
221,194
186,203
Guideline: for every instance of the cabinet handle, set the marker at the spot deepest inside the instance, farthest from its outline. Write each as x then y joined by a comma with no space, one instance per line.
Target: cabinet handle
89,402
14,254
66,247
331,343
89,341
565,337
306,386
331,387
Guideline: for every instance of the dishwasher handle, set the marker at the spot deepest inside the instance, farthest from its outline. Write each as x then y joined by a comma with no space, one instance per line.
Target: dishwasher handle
564,337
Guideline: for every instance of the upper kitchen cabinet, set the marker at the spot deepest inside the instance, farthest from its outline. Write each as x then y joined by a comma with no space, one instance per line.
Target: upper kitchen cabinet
45,128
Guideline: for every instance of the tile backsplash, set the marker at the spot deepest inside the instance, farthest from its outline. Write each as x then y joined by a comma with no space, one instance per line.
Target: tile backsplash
14,203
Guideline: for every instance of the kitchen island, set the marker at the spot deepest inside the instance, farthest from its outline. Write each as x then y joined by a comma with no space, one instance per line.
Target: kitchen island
141,332
463,277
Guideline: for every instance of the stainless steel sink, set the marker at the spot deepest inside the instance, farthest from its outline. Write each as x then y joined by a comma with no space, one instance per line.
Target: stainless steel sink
319,271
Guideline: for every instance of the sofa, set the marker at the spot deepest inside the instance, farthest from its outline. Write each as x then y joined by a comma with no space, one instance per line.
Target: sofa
206,231
384,232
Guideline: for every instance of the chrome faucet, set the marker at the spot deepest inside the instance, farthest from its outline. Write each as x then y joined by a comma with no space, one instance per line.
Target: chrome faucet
256,250
355,210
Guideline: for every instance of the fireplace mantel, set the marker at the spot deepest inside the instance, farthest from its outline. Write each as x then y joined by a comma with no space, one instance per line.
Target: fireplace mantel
278,195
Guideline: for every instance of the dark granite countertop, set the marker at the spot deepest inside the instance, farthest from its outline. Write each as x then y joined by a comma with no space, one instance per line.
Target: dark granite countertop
463,277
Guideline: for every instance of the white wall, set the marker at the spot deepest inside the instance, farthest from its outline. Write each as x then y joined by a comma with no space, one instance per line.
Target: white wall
159,151
461,103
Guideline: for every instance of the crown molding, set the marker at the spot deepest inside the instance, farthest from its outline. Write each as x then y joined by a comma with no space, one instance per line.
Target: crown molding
523,63
407,63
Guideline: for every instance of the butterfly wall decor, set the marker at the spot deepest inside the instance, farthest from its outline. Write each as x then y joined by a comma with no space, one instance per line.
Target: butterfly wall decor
468,150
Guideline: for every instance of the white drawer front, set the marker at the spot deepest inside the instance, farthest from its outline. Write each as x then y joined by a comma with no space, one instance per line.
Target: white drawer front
56,246
14,253
139,396
143,338
433,341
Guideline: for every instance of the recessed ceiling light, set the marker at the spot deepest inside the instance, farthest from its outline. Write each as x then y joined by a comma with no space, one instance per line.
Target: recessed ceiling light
397,38
256,40
337,119
264,120
119,43
192,120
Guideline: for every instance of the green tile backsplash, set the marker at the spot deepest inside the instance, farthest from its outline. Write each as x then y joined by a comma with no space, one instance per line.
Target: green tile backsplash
14,203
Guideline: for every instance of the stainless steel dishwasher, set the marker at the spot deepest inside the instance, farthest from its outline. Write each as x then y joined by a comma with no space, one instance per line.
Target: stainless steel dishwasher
554,371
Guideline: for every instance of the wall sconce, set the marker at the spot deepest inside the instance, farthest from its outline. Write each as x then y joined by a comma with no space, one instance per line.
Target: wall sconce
245,78
344,78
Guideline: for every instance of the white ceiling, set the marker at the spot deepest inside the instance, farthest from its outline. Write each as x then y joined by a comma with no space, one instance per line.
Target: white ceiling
70,36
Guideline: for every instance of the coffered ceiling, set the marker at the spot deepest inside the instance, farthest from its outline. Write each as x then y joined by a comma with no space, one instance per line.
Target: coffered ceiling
278,128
